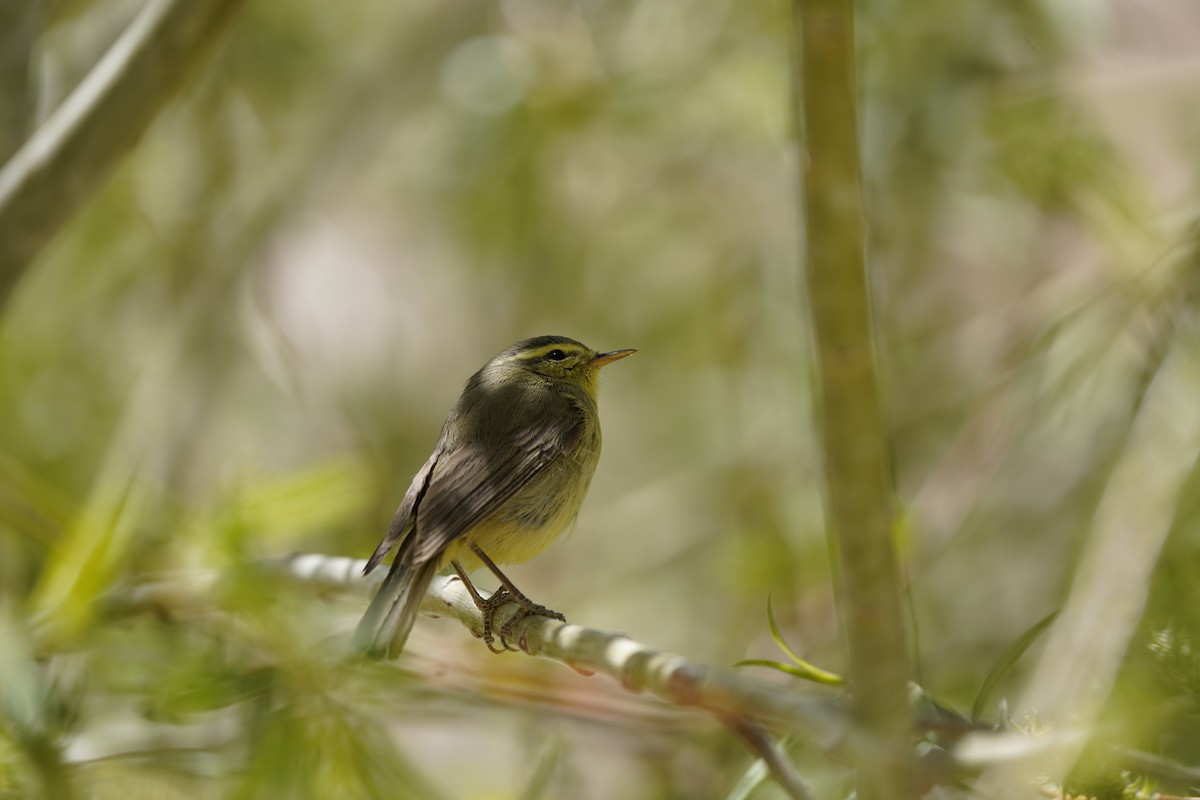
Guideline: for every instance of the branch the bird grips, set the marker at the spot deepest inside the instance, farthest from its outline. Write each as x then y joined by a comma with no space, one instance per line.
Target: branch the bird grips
507,476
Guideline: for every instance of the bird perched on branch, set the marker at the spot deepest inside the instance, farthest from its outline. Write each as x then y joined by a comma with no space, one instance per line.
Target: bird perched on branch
506,477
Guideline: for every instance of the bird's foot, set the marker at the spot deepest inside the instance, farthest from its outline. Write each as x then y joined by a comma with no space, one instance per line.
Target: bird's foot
487,607
525,607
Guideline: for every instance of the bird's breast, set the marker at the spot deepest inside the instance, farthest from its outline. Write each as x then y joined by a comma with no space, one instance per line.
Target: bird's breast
538,513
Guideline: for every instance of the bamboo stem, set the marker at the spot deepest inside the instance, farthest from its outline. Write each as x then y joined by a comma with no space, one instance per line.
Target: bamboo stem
858,484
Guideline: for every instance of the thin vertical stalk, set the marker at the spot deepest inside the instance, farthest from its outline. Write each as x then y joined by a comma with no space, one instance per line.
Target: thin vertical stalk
858,483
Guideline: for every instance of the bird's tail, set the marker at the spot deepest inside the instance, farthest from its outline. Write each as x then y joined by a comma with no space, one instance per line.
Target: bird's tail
385,626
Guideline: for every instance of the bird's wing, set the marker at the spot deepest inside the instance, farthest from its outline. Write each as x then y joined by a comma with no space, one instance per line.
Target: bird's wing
402,522
473,481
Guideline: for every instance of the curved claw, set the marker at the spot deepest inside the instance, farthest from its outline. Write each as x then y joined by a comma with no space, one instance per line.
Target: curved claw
488,610
487,607
523,612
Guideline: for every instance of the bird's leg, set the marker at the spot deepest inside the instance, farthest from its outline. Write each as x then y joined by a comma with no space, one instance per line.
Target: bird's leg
486,607
511,592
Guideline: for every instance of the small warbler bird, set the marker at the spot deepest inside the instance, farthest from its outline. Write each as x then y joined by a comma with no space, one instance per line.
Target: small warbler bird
506,477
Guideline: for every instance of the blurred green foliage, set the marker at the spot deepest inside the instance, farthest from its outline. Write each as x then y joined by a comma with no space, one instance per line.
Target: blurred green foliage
245,346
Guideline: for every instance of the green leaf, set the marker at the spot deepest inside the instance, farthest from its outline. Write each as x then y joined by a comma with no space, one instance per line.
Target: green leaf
802,669
1006,662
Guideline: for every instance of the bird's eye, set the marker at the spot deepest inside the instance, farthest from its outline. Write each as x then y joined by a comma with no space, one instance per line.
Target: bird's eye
556,355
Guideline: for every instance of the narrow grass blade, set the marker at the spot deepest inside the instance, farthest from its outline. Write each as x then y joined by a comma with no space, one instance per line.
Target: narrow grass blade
1006,662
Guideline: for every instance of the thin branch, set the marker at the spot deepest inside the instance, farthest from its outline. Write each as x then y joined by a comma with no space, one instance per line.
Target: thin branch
759,742
67,159
635,666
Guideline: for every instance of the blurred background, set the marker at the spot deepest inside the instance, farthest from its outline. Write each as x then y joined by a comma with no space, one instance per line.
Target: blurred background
245,345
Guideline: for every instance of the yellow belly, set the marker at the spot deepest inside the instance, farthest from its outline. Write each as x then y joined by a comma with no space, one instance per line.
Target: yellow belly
531,520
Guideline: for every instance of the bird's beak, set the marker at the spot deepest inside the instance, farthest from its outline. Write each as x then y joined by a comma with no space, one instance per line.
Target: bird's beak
607,358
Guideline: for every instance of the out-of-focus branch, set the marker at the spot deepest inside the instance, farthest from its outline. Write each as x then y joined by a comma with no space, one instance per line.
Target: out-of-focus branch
68,157
859,493
759,742
1087,644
